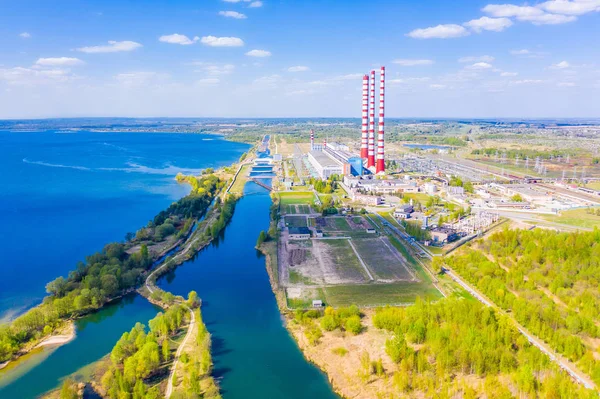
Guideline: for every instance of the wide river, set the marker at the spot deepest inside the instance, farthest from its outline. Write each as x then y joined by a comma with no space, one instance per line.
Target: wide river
114,183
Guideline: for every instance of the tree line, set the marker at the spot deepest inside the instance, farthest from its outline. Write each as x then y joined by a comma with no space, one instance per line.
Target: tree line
548,280
104,275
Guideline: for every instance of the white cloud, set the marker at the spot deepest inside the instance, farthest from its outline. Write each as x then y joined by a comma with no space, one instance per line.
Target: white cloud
561,65
567,7
30,77
236,1
511,10
408,80
214,41
549,19
58,62
267,82
487,23
566,84
232,14
408,62
298,68
437,86
139,78
25,35
439,32
111,47
350,76
531,14
258,53
483,58
215,69
527,82
508,74
208,81
480,65
176,38
520,52
256,4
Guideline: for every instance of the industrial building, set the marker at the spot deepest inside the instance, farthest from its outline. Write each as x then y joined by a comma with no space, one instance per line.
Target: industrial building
324,164
299,233
336,158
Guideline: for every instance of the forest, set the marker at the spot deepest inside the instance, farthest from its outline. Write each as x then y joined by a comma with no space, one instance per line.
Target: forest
548,281
441,348
140,355
109,273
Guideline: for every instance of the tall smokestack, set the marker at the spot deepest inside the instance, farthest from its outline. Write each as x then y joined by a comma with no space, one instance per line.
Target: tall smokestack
312,139
380,167
364,143
324,143
371,153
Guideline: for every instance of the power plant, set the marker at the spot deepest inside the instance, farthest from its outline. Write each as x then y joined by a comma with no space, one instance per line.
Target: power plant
332,159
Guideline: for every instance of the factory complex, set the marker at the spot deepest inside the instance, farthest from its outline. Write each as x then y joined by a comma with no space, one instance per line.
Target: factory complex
335,159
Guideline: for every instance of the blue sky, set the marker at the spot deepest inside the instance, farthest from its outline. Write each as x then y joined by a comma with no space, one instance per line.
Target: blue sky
273,58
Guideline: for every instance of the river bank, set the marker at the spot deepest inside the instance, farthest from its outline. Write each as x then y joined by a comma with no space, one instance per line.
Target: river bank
66,335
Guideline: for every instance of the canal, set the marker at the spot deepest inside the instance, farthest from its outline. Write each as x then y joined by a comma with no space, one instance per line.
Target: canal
254,355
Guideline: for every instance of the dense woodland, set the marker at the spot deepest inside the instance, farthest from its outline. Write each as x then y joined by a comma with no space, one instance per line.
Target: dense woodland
436,345
548,281
115,270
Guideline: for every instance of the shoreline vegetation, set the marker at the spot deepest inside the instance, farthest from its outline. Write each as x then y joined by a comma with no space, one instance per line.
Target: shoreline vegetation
453,347
121,267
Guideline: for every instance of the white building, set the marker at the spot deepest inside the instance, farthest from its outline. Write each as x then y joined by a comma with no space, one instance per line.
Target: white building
325,165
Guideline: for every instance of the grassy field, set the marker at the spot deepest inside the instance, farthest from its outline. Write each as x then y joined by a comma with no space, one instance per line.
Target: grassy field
343,258
594,185
383,260
576,217
240,182
295,221
379,294
296,197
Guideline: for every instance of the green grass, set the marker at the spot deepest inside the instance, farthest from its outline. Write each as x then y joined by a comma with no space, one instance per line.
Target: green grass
240,181
296,197
594,185
576,217
295,221
379,294
422,198
345,260
297,278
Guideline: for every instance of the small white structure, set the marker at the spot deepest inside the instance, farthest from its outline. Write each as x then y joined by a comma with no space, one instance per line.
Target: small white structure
317,303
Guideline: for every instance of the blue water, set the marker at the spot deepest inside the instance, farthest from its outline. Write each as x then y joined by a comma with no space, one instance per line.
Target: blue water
428,146
65,195
254,355
96,335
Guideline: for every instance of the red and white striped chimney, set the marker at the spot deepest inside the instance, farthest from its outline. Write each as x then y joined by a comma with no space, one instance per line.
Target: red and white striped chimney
312,139
380,167
324,143
371,142
364,143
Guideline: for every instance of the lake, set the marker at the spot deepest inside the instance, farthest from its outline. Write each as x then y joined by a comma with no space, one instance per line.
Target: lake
65,195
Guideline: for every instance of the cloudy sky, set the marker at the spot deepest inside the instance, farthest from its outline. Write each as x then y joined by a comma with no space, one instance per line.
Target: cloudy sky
279,58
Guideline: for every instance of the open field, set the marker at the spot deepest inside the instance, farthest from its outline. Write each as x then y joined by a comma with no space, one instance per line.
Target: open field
296,197
383,259
295,221
576,217
379,294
